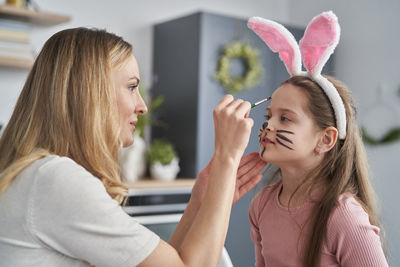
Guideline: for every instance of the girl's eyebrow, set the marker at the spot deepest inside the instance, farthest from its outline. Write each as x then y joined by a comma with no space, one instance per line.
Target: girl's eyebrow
283,110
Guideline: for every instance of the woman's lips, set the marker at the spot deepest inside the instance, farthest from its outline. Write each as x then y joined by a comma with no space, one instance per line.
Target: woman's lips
133,125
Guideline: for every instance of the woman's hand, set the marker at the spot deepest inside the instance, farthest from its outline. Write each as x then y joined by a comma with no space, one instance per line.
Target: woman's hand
232,128
247,177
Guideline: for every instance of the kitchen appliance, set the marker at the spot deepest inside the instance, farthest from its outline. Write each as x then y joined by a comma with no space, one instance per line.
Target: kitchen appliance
160,210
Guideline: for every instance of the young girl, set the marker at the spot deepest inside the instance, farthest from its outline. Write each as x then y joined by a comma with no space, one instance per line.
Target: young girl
322,211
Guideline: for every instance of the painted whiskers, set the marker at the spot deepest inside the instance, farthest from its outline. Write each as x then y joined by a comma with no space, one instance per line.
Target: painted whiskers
281,137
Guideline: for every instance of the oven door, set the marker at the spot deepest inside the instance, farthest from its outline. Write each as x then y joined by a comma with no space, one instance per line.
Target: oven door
164,225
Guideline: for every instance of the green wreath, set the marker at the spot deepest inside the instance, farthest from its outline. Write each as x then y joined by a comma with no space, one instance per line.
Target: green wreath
253,66
392,136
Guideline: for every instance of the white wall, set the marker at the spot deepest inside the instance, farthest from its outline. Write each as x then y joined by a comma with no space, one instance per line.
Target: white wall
132,20
368,55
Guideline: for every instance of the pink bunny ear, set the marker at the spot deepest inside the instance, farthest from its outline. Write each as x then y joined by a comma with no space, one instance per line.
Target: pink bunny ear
280,40
319,41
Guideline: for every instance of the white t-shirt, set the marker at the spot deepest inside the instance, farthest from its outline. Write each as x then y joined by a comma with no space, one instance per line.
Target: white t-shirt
55,213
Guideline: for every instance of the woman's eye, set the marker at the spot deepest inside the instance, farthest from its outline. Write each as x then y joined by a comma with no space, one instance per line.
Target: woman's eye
283,118
132,88
267,117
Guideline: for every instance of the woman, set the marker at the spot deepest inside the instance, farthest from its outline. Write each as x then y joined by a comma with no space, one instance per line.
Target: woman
60,188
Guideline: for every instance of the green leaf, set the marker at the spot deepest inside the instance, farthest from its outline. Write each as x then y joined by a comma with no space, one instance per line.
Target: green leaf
161,151
392,136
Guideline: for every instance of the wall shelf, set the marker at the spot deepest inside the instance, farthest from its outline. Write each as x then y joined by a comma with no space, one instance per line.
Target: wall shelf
40,18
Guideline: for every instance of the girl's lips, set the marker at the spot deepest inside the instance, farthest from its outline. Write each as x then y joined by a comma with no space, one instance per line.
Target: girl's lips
265,141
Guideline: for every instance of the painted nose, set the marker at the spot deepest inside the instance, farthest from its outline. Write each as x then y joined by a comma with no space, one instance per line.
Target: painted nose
267,126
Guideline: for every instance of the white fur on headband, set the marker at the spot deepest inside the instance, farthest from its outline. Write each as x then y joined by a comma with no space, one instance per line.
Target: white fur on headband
317,45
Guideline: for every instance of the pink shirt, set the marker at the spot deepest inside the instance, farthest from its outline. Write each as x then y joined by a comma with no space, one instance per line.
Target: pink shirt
279,238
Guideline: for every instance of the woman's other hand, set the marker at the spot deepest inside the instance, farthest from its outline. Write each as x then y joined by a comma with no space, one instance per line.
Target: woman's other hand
247,177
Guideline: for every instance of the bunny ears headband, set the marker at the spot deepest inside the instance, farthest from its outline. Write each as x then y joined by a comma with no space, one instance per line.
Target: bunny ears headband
318,43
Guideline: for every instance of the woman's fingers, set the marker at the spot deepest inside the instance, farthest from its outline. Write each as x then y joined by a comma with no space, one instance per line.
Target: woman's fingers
248,162
248,171
248,158
232,127
256,163
244,108
245,188
225,101
242,189
248,174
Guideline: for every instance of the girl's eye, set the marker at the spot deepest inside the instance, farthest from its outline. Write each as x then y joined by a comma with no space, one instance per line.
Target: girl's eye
283,118
267,117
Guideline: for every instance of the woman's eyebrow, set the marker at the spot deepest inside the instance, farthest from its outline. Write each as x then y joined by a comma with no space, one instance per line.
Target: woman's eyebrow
134,78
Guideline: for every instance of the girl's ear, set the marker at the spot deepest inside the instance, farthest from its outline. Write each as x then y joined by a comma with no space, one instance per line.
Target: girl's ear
327,140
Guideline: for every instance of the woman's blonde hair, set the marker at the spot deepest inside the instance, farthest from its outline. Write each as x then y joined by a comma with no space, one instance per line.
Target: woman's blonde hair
67,107
345,166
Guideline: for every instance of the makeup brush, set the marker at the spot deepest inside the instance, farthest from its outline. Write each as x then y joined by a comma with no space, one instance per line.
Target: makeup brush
260,102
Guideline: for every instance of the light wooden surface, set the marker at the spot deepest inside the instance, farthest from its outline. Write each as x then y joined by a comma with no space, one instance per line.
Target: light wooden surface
41,18
151,183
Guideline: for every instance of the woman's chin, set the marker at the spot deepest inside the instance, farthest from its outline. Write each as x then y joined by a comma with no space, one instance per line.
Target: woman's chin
127,142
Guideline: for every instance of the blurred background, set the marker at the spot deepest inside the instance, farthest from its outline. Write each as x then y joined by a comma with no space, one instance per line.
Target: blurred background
182,40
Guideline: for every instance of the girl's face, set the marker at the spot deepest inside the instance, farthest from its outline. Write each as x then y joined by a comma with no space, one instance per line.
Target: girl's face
289,135
130,104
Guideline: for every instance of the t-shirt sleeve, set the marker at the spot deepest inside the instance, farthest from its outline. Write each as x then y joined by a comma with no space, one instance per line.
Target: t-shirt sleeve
353,239
72,213
255,231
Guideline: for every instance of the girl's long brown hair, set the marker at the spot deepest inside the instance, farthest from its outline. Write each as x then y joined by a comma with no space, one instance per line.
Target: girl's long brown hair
67,107
344,167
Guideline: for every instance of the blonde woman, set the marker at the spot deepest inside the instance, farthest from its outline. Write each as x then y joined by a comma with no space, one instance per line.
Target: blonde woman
60,190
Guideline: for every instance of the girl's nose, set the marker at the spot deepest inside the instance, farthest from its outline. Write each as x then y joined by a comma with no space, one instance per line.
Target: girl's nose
267,126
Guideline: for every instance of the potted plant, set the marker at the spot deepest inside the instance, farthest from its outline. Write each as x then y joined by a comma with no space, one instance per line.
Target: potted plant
163,161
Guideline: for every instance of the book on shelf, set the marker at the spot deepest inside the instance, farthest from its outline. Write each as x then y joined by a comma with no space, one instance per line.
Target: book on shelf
16,25
15,41
13,35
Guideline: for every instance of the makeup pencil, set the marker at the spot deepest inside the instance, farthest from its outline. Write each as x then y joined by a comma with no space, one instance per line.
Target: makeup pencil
260,102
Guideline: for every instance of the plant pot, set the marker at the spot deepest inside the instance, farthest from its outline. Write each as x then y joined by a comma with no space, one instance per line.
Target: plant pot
132,160
165,172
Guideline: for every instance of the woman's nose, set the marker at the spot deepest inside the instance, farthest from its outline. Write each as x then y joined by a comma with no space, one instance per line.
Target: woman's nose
141,107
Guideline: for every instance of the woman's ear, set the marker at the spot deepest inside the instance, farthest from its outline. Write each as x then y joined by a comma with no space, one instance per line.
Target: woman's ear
328,140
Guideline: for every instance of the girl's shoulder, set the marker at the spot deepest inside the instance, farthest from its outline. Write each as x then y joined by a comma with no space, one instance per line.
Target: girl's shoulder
349,216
